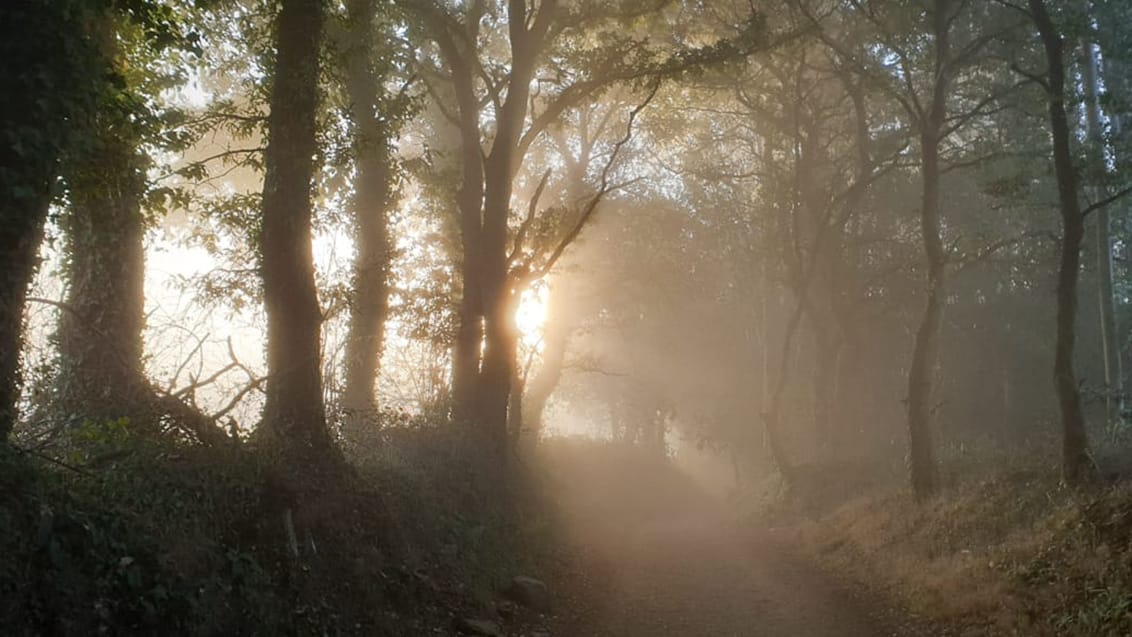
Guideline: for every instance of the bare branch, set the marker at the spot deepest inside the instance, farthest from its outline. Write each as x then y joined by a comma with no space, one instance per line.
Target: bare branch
604,188
521,235
1120,194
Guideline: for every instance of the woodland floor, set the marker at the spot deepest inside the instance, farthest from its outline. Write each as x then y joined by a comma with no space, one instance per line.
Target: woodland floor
658,557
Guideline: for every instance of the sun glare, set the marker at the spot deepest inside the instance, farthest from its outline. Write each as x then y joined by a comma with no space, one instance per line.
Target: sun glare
531,315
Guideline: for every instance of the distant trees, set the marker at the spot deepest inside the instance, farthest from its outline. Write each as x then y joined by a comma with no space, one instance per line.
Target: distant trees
365,78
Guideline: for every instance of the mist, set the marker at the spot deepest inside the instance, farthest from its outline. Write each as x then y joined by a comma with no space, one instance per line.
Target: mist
559,317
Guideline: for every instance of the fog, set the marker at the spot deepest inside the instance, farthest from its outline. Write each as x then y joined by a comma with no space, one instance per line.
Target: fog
667,301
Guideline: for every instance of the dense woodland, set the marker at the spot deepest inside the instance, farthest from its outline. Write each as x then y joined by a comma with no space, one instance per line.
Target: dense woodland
826,243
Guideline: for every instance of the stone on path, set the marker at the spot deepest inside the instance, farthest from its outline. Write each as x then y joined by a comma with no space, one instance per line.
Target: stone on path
529,592
482,627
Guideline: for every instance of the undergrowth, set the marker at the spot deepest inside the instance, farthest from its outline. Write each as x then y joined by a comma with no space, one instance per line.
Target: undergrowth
125,533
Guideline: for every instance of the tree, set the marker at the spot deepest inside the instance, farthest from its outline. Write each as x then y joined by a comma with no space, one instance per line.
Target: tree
294,415
372,128
1075,444
548,34
1109,326
931,63
100,333
51,88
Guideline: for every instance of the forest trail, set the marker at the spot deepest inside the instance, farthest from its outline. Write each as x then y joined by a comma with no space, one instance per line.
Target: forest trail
653,556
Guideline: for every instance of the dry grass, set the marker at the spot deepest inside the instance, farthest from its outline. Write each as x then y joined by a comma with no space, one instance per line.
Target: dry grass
1012,555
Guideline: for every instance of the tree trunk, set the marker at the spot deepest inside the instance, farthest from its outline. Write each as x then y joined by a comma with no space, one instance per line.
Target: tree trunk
538,390
515,417
1075,452
827,357
100,336
371,223
47,93
294,415
1109,330
499,347
926,349
21,232
467,349
500,334
772,417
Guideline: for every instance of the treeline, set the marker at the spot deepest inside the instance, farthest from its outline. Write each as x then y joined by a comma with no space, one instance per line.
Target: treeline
810,227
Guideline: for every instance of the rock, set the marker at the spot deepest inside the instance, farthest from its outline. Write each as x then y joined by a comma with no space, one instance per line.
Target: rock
482,627
506,609
529,592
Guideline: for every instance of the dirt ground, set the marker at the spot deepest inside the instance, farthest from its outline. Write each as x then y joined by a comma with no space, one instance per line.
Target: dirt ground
650,555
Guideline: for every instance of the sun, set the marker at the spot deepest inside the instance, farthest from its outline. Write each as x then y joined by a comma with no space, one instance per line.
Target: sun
531,316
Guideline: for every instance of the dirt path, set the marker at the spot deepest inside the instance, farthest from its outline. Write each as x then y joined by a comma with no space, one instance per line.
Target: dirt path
656,557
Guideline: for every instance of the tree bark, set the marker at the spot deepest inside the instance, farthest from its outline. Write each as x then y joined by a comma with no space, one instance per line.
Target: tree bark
47,93
294,414
1075,452
102,376
21,232
500,338
467,349
372,245
926,349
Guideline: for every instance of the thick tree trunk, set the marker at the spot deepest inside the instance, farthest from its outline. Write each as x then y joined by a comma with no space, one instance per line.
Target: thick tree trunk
294,414
47,92
21,232
926,348
100,336
371,223
1075,451
500,334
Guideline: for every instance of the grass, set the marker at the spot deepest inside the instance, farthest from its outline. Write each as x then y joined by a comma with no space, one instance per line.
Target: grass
1011,552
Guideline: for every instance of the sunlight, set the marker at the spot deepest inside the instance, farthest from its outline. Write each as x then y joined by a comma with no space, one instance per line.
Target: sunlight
531,316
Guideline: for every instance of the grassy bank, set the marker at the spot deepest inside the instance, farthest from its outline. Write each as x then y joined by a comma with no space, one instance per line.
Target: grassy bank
1014,553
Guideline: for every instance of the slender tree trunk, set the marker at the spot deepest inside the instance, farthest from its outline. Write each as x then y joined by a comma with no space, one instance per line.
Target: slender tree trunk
772,417
538,390
100,336
516,421
294,415
467,350
925,352
371,222
1075,444
827,351
1109,329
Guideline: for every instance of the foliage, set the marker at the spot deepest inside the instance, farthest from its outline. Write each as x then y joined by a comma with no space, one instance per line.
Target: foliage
138,535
